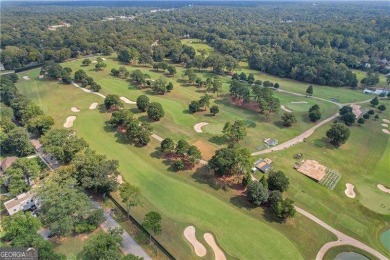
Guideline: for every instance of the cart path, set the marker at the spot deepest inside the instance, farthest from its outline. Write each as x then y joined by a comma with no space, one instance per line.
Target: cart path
309,132
343,239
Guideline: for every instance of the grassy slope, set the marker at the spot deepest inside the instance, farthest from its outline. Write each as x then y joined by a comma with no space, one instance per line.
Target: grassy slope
320,205
179,122
179,201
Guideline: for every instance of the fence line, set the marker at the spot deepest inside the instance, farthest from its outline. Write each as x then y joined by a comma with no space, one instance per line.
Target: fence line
161,247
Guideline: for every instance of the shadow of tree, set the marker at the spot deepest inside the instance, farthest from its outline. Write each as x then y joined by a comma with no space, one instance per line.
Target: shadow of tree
270,216
219,140
241,201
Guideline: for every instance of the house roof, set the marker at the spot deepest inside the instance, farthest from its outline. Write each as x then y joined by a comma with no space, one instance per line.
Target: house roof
18,200
312,169
7,162
263,166
270,141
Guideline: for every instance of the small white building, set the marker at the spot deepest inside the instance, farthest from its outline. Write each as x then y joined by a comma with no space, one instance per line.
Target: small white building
377,91
22,202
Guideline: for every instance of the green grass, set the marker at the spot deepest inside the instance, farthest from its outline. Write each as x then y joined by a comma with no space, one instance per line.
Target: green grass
182,198
179,123
362,161
188,198
361,74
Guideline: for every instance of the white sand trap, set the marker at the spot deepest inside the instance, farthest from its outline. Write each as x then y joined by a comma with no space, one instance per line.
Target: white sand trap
41,76
386,131
127,101
286,109
94,61
298,102
75,109
119,179
198,127
356,110
218,253
103,58
93,105
349,191
26,77
69,121
386,121
189,234
383,188
385,125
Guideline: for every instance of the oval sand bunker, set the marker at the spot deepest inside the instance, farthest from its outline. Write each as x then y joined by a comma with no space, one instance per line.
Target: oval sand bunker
69,121
75,109
93,105
349,191
189,234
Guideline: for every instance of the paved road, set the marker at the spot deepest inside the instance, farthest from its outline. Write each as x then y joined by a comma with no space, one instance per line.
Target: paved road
128,245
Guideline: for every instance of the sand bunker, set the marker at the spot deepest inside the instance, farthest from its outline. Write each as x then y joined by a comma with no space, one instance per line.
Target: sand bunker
94,61
383,188
218,253
75,109
26,77
386,131
189,234
69,121
385,125
356,110
386,121
198,127
127,101
41,76
119,179
349,191
93,105
298,102
286,109
103,58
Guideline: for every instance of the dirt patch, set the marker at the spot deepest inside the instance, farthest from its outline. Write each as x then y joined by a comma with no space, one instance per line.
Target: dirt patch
383,188
75,109
356,109
189,234
386,131
26,77
250,105
349,191
286,109
93,105
206,149
127,101
69,121
218,253
198,127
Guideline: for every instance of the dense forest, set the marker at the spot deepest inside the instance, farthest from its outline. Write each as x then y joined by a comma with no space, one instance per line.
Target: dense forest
315,43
